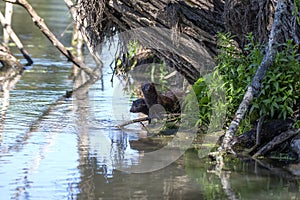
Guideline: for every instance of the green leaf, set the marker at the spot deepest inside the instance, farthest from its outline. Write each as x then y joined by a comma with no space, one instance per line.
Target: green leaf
276,86
289,109
274,104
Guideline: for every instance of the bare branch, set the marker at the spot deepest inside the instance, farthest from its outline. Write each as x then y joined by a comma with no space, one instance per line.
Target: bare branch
133,121
8,18
39,22
15,38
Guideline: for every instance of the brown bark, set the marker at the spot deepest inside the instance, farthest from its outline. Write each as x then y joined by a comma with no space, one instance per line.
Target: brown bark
199,21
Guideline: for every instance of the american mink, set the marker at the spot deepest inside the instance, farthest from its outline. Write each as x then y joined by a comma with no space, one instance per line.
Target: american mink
139,105
152,97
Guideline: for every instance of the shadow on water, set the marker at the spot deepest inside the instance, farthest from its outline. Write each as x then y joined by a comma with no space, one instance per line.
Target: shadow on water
55,147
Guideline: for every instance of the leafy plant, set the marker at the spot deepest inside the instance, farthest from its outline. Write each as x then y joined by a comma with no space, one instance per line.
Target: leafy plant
204,100
281,86
127,61
296,10
209,91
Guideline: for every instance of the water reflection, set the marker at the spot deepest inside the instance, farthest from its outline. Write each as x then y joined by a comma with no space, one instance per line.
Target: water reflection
169,183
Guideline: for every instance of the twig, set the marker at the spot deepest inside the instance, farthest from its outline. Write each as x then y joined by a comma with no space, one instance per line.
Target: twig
147,119
133,121
15,38
258,132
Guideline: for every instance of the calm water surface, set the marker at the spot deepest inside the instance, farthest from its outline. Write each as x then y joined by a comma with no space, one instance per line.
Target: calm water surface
67,149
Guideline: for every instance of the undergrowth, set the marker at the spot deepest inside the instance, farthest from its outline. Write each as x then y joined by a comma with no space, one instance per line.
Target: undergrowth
233,73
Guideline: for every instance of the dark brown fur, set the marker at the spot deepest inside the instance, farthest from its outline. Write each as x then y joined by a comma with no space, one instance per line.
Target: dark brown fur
152,97
139,105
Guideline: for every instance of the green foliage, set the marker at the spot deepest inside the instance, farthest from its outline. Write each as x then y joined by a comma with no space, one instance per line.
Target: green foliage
158,73
132,49
162,72
281,85
190,114
209,91
296,10
128,61
201,90
237,69
297,124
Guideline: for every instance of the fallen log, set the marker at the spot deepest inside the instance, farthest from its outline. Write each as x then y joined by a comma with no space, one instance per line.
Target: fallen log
276,141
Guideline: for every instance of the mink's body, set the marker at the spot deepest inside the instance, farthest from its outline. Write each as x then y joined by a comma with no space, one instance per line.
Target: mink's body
152,97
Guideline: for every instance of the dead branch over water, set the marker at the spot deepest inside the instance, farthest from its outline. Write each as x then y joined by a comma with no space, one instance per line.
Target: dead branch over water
39,22
15,38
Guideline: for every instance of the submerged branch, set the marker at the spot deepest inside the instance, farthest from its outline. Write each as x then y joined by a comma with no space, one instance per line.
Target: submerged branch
36,125
174,115
8,60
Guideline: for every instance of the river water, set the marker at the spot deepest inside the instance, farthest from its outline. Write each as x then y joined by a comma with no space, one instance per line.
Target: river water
57,148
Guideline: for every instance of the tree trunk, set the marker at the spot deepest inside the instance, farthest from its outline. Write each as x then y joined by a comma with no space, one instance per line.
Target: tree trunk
197,20
200,20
